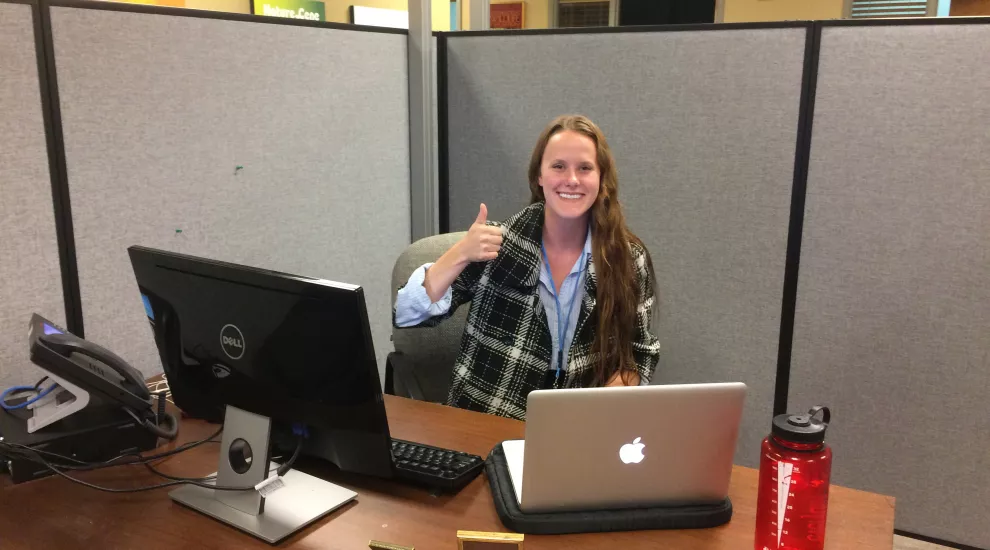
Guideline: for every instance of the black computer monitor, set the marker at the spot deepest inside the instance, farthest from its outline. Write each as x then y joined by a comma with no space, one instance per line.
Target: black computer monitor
295,349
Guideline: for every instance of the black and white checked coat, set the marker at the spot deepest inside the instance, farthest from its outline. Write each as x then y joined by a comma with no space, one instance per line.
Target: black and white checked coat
506,348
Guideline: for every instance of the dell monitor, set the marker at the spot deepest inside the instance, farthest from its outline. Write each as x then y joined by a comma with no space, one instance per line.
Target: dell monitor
290,349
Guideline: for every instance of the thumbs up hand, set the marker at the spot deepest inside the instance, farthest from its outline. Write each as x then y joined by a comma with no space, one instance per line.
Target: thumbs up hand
482,242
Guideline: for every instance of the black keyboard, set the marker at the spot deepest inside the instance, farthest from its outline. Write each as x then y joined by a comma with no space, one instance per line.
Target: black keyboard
434,467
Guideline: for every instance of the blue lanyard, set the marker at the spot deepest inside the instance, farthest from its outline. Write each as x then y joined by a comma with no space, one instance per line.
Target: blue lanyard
561,327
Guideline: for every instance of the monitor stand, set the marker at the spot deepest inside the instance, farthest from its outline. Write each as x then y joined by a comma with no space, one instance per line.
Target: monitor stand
244,463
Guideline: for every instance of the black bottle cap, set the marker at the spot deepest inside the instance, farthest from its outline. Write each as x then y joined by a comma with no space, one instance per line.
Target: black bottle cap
802,428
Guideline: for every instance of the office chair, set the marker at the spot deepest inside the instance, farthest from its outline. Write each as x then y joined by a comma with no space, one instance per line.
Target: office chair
421,365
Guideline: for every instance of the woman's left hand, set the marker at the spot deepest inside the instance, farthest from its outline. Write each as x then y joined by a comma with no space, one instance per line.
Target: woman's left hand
626,378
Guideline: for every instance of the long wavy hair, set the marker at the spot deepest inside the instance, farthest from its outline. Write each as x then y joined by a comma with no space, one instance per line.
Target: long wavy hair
618,290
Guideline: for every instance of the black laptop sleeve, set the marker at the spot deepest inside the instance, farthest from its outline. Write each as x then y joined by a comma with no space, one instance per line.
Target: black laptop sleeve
558,523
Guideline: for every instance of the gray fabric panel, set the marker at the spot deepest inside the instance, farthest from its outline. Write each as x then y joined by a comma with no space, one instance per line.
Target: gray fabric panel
893,303
432,349
703,126
159,111
30,278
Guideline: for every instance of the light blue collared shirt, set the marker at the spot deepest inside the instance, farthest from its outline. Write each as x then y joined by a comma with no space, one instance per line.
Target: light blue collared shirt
413,305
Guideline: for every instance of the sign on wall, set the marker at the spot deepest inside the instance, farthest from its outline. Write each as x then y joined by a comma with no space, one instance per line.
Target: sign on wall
307,10
508,15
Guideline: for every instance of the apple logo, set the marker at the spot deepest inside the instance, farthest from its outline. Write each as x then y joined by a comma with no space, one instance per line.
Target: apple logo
632,453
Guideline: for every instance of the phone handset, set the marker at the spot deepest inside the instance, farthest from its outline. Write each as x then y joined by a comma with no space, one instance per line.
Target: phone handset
65,344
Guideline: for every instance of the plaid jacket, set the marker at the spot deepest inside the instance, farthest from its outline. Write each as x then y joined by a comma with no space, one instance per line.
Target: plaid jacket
506,348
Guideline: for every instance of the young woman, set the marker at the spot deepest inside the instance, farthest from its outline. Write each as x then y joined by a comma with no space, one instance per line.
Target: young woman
561,293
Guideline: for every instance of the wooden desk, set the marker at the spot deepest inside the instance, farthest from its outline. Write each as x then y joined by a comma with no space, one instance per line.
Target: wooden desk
55,514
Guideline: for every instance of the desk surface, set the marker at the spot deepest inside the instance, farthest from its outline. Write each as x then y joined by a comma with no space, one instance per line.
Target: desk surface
54,513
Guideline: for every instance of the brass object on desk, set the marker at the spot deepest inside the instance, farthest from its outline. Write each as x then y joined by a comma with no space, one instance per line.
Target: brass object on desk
379,545
480,540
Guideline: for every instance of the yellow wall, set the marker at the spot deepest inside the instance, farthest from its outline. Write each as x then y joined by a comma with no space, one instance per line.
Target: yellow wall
338,11
166,3
536,14
780,10
229,6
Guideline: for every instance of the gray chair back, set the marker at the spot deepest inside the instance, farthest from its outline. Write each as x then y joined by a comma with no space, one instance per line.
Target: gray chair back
431,351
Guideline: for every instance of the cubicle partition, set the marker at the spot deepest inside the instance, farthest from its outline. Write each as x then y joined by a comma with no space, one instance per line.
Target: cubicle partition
30,276
254,140
892,328
703,122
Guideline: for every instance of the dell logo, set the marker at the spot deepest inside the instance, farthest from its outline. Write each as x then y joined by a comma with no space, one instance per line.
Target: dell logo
632,453
232,341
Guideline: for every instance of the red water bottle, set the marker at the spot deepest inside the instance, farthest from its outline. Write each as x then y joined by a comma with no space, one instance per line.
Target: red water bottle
795,464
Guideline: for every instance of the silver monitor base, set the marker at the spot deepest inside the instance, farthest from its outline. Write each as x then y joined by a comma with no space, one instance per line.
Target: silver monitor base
303,500
244,462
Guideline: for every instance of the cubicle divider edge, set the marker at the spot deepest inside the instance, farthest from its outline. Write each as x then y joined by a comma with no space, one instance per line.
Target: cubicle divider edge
802,153
48,84
443,151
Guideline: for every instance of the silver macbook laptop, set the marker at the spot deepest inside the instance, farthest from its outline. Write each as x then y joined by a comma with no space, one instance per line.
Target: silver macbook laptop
626,447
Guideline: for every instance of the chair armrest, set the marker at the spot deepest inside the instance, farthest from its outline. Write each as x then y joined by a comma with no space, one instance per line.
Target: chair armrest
400,371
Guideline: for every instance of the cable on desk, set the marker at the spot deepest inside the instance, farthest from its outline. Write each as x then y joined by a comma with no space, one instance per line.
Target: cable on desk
284,469
37,456
175,478
161,385
279,472
160,473
87,466
35,388
170,420
41,460
142,459
20,389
